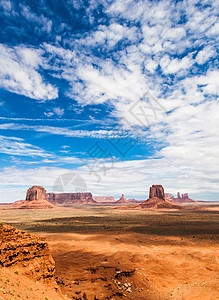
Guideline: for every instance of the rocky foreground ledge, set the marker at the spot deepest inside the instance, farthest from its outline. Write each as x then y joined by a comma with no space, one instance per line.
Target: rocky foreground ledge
26,265
31,251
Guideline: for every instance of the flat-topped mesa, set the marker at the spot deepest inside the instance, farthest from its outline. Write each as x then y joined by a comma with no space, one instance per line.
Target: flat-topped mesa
104,199
36,193
70,198
156,191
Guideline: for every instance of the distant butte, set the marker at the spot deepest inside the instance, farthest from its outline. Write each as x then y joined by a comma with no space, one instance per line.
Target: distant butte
179,199
157,200
122,200
35,199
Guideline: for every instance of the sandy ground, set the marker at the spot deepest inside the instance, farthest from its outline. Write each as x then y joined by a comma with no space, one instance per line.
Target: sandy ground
101,253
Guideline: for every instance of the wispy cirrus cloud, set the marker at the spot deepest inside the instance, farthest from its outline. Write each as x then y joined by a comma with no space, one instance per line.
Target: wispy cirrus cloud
99,134
17,146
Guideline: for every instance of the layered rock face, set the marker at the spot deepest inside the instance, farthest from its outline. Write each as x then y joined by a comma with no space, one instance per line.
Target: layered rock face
70,198
156,191
26,251
157,200
36,193
103,199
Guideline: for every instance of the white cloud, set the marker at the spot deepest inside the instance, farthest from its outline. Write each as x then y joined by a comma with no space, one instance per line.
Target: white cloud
6,5
42,23
214,30
101,134
151,65
204,55
29,56
109,36
17,146
175,65
20,75
210,82
59,111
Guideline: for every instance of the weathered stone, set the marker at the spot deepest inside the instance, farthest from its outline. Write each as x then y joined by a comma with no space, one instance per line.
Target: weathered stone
19,248
35,199
36,193
169,196
122,200
157,200
156,191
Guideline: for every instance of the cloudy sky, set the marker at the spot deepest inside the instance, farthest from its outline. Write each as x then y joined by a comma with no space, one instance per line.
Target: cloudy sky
109,97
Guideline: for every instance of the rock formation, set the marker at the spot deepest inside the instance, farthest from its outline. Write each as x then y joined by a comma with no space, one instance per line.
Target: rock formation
122,200
133,201
104,199
35,199
19,248
36,193
26,267
70,198
184,199
157,200
156,191
169,196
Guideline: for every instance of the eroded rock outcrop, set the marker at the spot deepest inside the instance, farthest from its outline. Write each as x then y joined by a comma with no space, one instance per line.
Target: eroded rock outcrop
169,196
36,193
157,200
70,198
27,252
180,199
122,200
35,199
156,191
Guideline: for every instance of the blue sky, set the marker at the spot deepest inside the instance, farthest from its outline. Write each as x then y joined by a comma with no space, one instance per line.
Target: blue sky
118,94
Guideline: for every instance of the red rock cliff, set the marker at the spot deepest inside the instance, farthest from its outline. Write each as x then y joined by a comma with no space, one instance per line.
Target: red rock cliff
27,252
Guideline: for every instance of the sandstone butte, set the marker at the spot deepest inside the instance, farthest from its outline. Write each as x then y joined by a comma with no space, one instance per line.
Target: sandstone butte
180,199
123,200
35,199
26,266
157,200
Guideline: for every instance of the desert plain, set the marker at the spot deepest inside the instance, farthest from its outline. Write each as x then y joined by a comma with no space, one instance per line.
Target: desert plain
103,252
